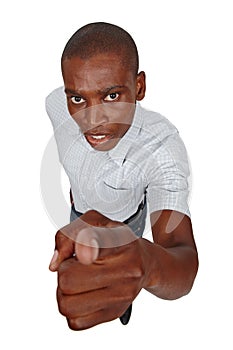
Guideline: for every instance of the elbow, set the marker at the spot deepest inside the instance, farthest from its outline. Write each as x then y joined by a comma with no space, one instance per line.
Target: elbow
190,277
193,273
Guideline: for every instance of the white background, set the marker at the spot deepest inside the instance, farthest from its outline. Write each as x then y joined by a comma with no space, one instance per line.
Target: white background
186,50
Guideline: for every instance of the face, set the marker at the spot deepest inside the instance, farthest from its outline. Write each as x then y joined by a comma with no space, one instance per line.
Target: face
101,96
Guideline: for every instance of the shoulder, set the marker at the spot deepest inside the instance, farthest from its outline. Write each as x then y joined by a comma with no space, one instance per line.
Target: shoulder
159,134
162,142
156,125
55,98
56,107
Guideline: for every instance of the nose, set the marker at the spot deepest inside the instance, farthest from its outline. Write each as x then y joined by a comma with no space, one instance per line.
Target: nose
96,115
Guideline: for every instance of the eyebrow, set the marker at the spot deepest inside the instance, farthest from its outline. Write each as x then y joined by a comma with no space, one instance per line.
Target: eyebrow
112,88
104,91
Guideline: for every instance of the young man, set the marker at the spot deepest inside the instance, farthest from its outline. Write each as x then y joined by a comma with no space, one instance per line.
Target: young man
121,161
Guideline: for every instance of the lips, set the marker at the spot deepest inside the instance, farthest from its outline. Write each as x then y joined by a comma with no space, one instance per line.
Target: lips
97,139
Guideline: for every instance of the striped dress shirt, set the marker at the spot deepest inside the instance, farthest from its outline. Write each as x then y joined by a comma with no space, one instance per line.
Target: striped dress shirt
150,160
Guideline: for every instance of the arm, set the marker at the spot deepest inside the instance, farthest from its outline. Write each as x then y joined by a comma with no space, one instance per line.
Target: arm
102,280
172,261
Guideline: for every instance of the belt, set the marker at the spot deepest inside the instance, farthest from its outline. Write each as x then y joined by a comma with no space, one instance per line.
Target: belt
127,221
140,208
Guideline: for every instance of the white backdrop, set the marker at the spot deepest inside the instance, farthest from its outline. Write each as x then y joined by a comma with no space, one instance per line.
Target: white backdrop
186,50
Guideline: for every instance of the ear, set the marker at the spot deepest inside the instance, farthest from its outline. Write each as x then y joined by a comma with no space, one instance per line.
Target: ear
140,86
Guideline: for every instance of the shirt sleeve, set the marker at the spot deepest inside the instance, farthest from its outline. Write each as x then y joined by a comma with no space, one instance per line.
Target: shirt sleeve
66,130
169,177
56,107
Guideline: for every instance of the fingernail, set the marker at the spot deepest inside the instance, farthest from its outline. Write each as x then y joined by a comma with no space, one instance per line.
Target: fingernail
54,258
95,250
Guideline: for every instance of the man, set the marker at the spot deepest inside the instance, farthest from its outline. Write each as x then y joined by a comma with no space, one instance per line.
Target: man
121,161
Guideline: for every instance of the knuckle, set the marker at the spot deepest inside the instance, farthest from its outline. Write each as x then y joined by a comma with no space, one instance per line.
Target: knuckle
62,307
121,310
129,295
64,283
77,324
65,305
130,292
62,304
136,271
59,237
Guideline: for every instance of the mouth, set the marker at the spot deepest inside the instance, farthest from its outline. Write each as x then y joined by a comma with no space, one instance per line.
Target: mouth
96,140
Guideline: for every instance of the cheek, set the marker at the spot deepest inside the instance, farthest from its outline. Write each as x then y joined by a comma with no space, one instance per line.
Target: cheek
121,112
121,129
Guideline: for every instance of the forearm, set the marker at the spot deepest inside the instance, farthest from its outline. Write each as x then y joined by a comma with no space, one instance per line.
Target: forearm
170,272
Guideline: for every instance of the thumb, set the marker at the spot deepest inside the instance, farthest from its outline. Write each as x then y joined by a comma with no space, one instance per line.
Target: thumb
86,246
91,240
53,266
64,249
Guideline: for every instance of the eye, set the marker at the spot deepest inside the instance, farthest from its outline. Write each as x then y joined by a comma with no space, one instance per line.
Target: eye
77,100
112,97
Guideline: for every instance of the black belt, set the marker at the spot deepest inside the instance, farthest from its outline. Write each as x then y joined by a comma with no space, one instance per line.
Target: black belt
127,221
140,208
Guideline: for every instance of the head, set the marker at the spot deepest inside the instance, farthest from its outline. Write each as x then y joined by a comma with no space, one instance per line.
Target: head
102,83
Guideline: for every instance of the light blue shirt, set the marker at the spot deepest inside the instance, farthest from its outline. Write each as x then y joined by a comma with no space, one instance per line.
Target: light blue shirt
149,159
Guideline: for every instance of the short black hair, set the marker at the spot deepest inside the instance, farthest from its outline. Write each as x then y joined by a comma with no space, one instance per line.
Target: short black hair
100,37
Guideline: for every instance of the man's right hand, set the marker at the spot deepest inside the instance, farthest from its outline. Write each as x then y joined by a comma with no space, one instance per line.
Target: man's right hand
69,238
106,274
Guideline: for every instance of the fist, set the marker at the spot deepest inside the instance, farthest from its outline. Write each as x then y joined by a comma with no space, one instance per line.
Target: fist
101,269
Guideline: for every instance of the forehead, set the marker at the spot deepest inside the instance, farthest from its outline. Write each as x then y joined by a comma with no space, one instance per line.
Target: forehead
98,68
